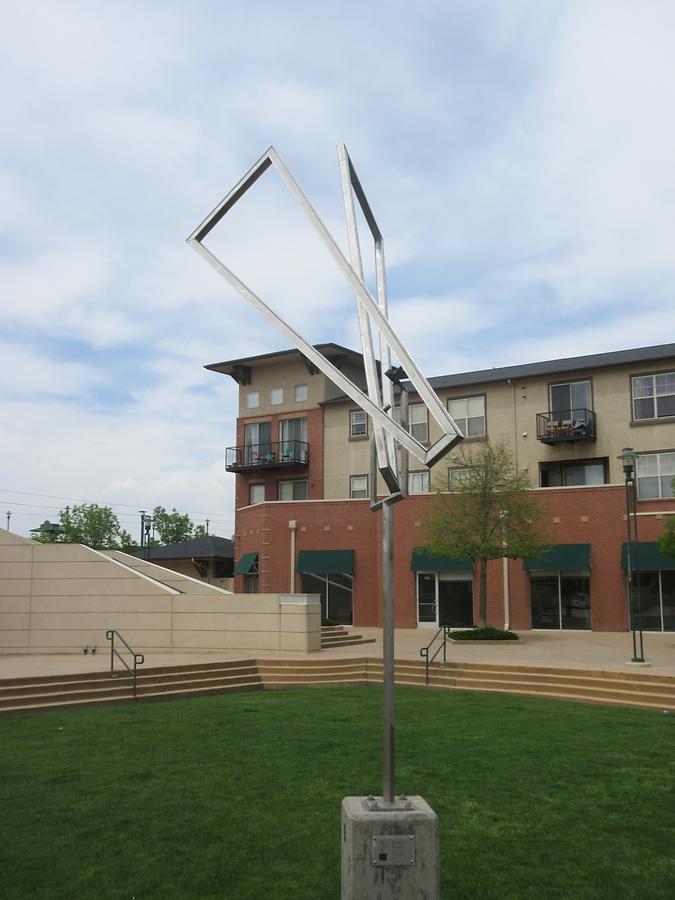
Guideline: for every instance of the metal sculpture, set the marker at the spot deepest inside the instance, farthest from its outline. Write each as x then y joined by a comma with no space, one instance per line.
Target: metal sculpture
378,402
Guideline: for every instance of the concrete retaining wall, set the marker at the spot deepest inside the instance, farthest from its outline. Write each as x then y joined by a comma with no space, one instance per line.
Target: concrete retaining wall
60,598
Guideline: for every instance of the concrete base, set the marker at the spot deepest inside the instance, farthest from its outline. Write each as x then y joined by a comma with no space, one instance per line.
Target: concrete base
640,665
390,853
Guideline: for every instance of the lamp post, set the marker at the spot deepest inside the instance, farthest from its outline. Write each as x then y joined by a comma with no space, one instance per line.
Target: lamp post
148,524
627,457
142,514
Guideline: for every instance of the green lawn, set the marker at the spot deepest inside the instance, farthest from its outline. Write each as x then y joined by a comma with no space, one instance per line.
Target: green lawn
238,796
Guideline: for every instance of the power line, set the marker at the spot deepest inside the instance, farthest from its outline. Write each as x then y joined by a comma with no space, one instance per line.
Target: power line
77,500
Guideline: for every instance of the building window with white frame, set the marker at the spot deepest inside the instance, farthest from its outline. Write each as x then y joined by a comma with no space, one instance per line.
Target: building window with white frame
253,400
653,396
418,482
301,393
256,494
418,421
276,396
469,414
293,490
358,487
655,473
358,423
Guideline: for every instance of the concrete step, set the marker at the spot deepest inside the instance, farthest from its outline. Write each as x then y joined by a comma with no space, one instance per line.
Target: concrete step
612,688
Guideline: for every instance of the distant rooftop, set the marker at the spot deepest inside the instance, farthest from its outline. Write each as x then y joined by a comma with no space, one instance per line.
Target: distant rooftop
239,369
210,547
553,366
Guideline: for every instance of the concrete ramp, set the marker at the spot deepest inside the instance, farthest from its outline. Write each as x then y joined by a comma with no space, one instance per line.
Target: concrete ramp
182,583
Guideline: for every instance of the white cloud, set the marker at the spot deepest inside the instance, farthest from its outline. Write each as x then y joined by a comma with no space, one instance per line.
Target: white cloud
518,158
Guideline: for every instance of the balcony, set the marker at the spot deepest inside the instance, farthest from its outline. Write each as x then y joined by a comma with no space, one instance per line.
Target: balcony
270,455
567,425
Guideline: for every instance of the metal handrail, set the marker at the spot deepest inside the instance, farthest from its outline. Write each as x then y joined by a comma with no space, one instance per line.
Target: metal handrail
139,659
424,652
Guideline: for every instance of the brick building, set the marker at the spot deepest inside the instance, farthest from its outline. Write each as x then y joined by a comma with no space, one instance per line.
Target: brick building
303,518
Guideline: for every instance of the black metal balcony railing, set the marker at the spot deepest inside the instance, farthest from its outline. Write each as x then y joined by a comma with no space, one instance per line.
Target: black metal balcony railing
566,425
268,455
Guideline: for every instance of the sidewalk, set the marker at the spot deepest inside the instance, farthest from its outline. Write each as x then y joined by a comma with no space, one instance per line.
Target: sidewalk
603,651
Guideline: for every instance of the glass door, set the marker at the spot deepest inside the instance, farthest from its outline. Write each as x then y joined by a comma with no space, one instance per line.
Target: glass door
258,442
426,599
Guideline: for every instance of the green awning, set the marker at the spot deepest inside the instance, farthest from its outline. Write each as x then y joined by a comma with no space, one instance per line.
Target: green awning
649,557
422,561
562,558
246,563
325,562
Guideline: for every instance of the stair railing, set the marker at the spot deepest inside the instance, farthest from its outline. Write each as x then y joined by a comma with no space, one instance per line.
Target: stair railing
424,652
139,659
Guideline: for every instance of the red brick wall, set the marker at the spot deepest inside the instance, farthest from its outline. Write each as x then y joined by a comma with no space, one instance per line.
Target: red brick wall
270,477
572,516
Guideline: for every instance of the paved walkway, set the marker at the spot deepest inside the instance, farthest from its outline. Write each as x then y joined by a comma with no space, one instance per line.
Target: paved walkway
605,651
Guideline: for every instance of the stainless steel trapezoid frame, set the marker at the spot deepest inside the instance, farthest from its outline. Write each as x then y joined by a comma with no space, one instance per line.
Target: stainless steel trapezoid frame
450,433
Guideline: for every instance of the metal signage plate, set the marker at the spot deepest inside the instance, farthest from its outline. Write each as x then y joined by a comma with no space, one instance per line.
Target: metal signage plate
392,850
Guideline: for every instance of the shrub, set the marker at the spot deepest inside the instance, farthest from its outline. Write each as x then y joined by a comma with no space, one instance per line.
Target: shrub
484,634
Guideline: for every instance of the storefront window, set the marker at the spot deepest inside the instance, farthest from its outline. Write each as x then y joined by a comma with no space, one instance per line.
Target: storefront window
560,600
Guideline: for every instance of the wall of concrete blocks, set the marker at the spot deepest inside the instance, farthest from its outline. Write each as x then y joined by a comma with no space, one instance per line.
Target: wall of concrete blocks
60,598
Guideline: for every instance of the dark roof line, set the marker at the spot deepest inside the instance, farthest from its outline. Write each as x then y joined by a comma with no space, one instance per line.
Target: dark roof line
554,366
211,547
247,360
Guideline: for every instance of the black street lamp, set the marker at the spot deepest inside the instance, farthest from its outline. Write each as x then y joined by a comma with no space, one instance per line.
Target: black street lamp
148,523
627,457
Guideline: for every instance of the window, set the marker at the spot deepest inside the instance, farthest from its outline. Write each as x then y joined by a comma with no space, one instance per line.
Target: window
293,490
276,396
569,474
469,414
251,583
569,397
358,423
336,592
657,600
455,476
653,396
301,393
253,400
293,434
418,422
560,600
256,494
358,487
258,442
418,482
251,579
655,473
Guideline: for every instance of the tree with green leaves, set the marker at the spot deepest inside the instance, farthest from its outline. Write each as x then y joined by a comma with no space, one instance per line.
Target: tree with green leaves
488,513
171,527
90,524
666,541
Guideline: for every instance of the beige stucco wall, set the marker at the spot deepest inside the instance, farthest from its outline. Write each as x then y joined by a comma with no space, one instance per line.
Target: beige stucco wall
60,598
511,413
284,375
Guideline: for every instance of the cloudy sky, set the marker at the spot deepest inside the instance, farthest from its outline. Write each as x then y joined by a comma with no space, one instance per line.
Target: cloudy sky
518,156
